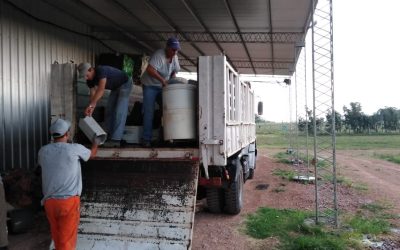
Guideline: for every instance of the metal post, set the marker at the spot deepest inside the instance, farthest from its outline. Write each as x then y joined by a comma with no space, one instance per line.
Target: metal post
323,106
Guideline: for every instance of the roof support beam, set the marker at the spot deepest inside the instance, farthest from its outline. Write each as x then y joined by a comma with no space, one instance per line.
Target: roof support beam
257,64
124,8
218,37
172,25
141,45
196,16
229,8
270,31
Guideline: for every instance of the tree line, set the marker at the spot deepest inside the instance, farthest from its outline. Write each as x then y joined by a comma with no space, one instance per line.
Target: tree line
353,120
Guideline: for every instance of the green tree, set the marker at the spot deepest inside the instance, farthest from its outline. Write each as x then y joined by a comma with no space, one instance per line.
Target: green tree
338,121
390,118
353,117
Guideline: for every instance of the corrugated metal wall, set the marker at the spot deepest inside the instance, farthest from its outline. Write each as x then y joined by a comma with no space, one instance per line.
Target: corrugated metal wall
27,50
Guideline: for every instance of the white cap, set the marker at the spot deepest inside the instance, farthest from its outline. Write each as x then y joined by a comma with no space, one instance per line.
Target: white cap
83,69
59,128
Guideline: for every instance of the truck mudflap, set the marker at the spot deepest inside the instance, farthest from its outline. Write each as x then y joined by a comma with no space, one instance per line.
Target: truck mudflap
140,204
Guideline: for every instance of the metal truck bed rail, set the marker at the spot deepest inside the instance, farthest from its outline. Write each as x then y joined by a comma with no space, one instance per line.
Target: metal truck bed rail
141,204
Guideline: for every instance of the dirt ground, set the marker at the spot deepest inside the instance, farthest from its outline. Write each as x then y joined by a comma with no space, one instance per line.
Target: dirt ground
220,232
381,178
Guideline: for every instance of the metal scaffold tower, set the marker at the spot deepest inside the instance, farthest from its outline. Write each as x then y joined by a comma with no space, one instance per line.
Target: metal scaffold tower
324,159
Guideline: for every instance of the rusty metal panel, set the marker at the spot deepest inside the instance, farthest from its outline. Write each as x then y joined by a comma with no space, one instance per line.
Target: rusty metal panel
28,47
138,204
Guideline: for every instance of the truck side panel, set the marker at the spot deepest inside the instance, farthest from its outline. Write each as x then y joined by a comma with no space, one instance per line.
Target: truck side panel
226,110
140,204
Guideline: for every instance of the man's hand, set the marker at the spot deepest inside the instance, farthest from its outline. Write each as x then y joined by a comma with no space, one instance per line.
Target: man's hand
89,110
165,83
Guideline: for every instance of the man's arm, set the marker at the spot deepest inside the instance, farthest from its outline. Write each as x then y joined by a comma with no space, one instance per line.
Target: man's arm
93,150
154,73
95,96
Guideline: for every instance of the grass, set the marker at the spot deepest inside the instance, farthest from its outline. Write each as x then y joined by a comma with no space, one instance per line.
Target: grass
285,174
273,136
388,157
369,226
289,227
283,158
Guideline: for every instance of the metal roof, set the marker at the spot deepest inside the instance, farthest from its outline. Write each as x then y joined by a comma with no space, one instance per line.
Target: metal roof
257,36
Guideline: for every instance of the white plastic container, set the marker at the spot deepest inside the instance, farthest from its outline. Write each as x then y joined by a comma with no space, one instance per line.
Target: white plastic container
92,130
179,111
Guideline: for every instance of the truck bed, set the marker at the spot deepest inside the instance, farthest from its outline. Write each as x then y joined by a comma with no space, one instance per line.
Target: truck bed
139,198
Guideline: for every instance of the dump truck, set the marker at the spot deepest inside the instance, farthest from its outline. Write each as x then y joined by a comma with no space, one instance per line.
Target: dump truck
145,198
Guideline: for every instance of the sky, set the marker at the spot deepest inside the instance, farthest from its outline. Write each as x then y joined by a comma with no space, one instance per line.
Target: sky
366,42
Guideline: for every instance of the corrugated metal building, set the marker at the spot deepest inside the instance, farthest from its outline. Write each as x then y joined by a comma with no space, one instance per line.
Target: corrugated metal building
28,47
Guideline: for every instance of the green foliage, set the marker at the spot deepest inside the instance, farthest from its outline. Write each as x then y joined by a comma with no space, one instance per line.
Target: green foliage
128,66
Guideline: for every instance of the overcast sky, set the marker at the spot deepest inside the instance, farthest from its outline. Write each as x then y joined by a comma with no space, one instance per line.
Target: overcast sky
366,60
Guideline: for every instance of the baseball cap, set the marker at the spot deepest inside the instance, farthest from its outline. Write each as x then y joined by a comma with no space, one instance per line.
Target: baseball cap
173,43
59,128
83,68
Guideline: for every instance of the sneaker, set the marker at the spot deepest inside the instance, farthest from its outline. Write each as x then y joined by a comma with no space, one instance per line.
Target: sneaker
112,144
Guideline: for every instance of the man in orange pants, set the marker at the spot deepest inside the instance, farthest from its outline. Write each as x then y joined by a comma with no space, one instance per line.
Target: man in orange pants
62,184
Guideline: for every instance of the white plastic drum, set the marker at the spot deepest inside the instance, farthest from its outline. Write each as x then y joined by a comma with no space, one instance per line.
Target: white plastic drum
179,111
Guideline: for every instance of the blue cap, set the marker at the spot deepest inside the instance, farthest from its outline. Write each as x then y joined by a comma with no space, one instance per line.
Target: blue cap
59,128
173,43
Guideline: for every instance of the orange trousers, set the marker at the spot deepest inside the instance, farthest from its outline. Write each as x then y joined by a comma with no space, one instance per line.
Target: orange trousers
63,216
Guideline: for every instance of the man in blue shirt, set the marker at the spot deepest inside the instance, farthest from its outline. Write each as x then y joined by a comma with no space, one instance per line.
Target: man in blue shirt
163,65
106,77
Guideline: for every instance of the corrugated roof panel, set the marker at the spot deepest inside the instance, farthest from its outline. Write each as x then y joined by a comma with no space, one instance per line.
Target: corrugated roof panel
251,17
260,51
290,16
215,15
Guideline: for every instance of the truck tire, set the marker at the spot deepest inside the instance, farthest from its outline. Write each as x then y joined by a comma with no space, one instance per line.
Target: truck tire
234,194
215,200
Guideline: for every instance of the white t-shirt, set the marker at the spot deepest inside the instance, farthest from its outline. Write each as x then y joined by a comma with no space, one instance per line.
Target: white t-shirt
160,63
61,169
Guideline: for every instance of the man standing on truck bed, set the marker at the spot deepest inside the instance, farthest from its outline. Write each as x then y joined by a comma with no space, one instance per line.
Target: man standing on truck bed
106,77
62,184
163,65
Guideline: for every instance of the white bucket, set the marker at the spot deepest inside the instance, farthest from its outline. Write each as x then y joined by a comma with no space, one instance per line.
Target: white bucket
92,130
179,111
